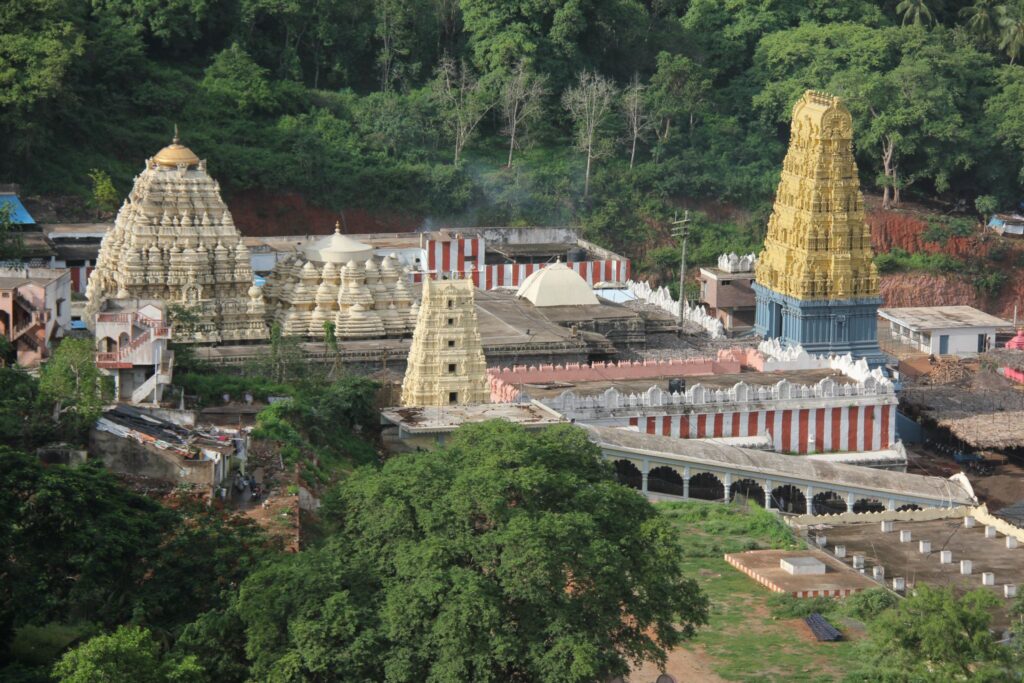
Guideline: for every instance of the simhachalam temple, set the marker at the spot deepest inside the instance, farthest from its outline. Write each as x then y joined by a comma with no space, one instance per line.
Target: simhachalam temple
174,240
817,285
337,280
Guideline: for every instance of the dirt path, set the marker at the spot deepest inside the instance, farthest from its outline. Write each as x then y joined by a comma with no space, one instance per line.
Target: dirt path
684,664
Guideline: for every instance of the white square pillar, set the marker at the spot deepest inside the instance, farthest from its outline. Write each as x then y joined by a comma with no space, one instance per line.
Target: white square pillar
966,567
945,557
905,535
878,572
887,526
991,532
988,579
924,547
968,522
1011,542
840,551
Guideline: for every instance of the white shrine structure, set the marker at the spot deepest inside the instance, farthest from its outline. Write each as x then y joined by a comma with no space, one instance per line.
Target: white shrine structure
174,240
337,280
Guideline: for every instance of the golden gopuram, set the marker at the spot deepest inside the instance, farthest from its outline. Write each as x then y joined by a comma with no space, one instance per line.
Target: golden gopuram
446,363
816,283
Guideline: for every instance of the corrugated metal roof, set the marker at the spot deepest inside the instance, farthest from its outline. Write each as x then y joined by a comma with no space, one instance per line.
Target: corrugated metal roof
19,215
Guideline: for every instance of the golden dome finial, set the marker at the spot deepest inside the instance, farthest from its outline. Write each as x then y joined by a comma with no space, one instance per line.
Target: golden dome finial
175,140
176,154
337,227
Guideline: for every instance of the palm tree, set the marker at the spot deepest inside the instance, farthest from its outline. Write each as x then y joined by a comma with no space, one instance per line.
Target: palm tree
1011,33
984,18
915,12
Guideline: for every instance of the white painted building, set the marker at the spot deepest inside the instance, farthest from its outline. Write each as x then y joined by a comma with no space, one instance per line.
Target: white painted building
944,330
131,345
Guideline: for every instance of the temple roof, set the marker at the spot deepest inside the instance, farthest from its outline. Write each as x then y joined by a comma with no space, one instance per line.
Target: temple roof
175,154
338,249
557,285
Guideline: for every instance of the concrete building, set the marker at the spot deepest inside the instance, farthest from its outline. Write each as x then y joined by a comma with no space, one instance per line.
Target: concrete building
131,345
728,291
817,285
35,310
446,363
942,330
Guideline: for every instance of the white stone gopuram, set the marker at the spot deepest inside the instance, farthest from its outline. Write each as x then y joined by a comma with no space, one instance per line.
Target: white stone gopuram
338,280
174,240
446,363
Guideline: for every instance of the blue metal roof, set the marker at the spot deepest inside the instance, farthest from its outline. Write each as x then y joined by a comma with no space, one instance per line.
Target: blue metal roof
19,216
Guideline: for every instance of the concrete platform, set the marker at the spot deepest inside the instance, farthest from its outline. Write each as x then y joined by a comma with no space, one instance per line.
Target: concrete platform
905,559
762,566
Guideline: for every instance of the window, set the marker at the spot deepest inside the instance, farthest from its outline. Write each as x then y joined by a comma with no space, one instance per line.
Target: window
453,397
451,304
451,322
451,343
726,282
451,368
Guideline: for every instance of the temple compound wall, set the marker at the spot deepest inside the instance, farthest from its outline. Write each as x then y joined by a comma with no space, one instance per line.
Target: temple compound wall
174,240
817,285
826,417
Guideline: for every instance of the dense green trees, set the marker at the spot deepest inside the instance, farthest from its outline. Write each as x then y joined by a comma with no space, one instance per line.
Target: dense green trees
404,104
934,635
508,555
81,548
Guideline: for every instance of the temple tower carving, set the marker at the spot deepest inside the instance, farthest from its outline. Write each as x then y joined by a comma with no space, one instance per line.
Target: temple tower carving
174,240
817,284
446,363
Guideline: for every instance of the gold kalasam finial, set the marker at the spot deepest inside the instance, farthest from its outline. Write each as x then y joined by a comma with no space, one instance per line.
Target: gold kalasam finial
175,140
337,227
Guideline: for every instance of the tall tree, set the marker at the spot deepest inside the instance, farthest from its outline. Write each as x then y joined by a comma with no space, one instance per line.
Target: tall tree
638,120
462,100
128,654
933,635
522,96
984,19
915,12
1011,33
509,556
588,103
73,383
679,88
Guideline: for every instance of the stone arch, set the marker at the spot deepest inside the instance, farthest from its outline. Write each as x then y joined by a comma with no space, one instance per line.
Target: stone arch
908,506
665,479
868,505
747,489
628,474
106,344
123,339
706,486
827,503
789,498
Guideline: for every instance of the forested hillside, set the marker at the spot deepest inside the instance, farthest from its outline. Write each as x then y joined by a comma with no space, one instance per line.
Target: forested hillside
601,112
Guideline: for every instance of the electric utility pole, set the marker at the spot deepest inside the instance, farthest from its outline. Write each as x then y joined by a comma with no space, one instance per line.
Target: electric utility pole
681,229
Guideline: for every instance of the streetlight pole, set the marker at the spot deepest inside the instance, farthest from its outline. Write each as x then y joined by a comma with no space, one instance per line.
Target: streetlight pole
682,230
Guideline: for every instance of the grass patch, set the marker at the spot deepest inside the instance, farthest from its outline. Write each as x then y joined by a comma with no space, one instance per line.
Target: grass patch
745,640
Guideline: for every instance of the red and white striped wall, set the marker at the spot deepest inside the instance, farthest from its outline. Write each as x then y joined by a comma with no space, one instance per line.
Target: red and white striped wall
458,253
799,430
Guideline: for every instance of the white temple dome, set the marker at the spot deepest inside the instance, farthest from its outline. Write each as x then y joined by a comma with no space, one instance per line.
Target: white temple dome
338,248
556,285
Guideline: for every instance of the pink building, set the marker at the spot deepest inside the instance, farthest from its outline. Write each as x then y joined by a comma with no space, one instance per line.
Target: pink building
131,346
35,310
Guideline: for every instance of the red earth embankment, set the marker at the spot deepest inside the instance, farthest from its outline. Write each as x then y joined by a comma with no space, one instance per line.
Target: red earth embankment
260,214
904,229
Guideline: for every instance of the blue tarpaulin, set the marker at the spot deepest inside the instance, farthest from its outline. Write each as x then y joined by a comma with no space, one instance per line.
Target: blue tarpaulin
19,216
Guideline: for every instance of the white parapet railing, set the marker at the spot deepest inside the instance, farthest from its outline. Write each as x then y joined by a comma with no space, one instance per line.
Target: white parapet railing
661,298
